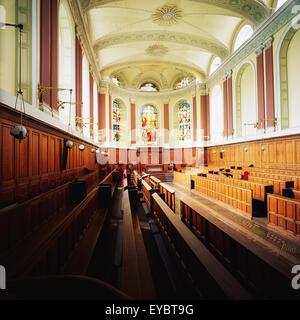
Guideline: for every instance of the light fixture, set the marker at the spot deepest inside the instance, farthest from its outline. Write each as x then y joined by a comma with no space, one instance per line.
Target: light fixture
81,147
19,131
246,149
263,148
92,150
223,150
69,144
97,151
214,151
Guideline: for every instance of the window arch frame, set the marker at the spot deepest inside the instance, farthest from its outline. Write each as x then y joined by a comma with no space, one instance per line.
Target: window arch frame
236,34
71,28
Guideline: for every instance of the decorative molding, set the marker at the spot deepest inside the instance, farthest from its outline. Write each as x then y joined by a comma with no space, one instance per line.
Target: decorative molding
253,11
167,15
212,46
83,34
157,50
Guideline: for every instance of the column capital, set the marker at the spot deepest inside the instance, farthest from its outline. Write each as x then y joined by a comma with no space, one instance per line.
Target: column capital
202,89
268,43
260,49
132,100
166,100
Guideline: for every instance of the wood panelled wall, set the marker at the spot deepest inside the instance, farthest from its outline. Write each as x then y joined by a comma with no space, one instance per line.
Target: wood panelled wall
35,164
280,153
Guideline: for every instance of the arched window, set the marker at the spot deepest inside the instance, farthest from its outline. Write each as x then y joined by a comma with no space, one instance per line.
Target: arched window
116,119
66,77
215,65
95,95
216,113
149,86
246,106
149,124
289,79
86,97
244,34
183,110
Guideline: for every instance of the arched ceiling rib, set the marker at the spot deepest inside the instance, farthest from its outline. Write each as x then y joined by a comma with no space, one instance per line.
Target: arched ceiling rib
190,32
253,11
209,45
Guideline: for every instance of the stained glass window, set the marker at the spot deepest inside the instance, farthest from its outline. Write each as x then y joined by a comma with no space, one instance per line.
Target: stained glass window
116,118
149,124
184,121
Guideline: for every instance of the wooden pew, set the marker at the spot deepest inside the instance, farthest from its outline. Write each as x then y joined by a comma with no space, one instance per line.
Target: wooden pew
169,195
236,197
207,273
107,188
182,179
260,270
48,250
154,182
136,279
147,191
260,190
284,214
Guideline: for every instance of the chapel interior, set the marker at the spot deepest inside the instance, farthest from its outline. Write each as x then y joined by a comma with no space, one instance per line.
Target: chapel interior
150,150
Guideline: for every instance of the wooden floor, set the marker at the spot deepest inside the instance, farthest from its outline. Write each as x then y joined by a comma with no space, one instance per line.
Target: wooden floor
287,249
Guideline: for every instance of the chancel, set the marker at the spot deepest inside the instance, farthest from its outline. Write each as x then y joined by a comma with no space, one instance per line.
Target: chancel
149,150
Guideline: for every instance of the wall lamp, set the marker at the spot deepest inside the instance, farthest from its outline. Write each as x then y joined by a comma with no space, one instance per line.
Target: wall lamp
81,147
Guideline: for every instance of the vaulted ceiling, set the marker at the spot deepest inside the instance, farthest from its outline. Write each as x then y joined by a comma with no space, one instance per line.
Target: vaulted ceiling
140,39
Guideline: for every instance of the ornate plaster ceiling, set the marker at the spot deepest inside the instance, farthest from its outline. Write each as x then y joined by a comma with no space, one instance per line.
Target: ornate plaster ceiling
187,32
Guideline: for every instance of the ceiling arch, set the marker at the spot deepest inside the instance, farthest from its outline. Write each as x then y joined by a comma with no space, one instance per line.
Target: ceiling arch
252,10
209,45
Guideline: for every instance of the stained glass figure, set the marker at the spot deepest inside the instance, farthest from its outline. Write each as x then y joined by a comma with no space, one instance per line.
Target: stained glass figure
116,119
149,123
184,121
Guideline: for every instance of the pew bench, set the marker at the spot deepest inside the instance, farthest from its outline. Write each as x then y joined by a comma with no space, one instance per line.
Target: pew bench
284,214
244,258
169,195
239,198
205,272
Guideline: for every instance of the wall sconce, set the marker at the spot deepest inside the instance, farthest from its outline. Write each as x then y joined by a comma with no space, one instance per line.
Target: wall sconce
214,151
246,149
223,151
263,148
69,144
93,150
19,132
81,147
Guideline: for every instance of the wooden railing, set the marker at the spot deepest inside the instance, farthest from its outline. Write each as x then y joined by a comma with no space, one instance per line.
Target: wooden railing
206,272
258,269
284,213
169,195
147,191
236,197
154,182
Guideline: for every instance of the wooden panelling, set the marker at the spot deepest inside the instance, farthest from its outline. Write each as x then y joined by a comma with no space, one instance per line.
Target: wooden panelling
278,153
34,165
